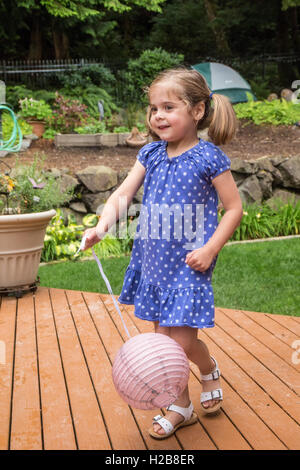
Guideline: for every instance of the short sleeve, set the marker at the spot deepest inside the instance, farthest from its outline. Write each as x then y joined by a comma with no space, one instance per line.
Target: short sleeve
146,153
216,162
142,156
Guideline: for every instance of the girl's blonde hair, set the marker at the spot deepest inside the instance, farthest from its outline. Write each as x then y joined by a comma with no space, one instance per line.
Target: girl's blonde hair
192,89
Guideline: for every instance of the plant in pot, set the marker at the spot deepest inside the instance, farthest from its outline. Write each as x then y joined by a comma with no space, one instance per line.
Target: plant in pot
36,113
28,199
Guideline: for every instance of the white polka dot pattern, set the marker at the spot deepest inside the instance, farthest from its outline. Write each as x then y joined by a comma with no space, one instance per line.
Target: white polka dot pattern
158,281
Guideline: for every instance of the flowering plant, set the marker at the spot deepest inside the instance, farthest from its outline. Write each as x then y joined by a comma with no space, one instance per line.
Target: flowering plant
37,110
28,189
67,114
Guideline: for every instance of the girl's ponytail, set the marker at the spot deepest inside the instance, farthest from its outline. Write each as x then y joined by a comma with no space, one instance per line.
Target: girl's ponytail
193,89
223,123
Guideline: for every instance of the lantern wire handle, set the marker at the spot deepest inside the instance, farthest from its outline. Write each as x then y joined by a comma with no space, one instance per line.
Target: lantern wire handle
110,290
82,246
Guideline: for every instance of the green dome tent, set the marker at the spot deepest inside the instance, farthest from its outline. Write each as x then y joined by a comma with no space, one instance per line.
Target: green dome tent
224,80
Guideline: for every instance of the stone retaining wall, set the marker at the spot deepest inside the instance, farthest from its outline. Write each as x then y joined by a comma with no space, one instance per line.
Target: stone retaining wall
267,178
264,180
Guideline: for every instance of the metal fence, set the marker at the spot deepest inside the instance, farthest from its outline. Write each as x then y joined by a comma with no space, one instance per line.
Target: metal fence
36,72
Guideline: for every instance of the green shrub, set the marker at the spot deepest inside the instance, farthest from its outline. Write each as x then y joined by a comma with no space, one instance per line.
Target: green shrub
120,129
134,116
92,126
16,93
7,126
95,74
67,114
29,189
63,240
37,110
261,221
90,96
277,112
142,71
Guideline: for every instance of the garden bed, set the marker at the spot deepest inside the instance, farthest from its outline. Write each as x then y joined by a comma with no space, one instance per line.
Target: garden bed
251,142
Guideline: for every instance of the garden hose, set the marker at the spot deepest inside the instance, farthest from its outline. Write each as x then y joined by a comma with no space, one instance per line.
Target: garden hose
13,144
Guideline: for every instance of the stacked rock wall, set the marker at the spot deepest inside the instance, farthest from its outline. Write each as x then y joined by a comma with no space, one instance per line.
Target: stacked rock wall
264,180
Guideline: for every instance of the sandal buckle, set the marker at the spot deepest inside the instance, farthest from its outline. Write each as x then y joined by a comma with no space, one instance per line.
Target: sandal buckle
215,374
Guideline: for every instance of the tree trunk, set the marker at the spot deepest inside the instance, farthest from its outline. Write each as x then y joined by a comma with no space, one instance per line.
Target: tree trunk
35,47
295,35
61,43
283,47
218,31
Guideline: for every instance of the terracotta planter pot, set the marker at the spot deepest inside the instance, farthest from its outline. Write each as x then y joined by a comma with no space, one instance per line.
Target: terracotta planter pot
38,127
21,243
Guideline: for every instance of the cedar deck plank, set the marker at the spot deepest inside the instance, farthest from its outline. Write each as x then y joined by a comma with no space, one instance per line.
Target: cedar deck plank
26,429
62,356
240,412
275,375
270,326
221,428
190,437
291,323
57,420
240,372
123,431
112,339
7,336
89,426
276,346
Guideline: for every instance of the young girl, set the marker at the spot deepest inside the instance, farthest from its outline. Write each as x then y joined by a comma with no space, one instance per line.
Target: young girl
169,277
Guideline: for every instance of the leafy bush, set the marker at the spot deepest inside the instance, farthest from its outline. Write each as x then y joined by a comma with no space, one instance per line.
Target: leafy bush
92,126
120,129
277,112
95,74
142,71
134,116
90,96
62,241
16,93
261,221
28,189
37,110
67,114
7,126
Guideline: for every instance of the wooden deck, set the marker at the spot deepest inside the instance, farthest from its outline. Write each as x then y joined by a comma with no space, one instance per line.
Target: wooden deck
57,391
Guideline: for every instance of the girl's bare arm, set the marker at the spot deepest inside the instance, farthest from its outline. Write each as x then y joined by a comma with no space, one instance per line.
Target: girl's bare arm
201,258
116,204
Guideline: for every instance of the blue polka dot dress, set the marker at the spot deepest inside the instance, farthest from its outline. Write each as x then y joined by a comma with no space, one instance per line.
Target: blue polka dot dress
178,214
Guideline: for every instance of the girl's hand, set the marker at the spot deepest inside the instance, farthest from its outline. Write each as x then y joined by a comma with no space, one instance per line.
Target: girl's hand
200,259
91,238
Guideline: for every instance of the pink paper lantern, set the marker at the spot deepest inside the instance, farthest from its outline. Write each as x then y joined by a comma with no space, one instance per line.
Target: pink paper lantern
150,371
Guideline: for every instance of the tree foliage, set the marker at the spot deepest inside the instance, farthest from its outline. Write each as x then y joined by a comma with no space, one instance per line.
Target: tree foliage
119,30
82,9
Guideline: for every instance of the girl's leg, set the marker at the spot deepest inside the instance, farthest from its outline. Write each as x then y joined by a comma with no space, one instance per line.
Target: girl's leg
183,400
198,353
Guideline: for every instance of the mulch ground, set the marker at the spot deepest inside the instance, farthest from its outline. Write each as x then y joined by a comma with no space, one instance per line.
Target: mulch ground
250,143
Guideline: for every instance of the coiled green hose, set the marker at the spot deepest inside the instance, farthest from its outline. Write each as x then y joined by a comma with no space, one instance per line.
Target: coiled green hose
13,144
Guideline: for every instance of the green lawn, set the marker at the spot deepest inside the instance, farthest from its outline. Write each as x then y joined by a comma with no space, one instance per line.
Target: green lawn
261,277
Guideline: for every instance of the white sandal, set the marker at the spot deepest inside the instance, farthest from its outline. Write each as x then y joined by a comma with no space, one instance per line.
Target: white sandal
189,418
216,394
